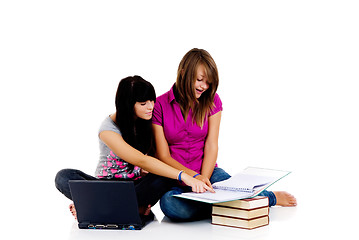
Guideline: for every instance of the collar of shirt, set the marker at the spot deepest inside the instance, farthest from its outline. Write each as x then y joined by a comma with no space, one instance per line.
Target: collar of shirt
171,95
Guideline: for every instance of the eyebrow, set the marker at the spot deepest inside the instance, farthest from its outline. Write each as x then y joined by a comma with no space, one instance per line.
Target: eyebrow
202,76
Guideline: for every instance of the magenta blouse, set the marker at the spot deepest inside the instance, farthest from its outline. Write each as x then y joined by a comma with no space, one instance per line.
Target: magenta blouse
185,139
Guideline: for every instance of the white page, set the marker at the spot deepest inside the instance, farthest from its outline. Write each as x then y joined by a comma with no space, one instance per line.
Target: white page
243,181
218,196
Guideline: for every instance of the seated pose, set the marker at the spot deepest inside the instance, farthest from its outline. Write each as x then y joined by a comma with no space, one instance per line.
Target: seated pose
186,123
126,149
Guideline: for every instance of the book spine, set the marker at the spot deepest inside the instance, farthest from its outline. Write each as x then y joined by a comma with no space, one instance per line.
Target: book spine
240,209
223,225
240,222
240,213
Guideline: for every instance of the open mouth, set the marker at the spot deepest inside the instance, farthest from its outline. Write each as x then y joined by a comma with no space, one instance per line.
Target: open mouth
199,91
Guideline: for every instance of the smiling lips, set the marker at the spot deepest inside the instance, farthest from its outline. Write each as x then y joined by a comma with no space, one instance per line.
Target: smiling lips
199,91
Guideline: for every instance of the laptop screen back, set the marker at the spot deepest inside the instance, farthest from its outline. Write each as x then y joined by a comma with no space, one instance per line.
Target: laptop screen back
105,203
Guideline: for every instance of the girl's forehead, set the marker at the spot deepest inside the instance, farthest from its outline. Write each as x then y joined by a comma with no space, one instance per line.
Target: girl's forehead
201,70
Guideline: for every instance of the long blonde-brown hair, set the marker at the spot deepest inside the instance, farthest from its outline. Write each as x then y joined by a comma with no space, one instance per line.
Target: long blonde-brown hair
186,78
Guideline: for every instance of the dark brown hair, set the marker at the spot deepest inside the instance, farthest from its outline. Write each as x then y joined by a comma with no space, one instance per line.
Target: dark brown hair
186,78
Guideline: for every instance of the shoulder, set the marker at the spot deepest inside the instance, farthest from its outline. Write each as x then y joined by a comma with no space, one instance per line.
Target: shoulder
163,101
164,98
109,125
162,106
217,100
217,105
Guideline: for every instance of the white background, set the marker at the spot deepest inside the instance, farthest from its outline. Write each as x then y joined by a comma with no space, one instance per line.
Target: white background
288,82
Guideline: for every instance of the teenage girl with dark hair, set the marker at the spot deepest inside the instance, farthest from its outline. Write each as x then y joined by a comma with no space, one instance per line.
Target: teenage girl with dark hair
127,149
186,123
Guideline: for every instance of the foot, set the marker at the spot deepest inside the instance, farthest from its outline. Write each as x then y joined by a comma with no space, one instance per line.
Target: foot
73,210
285,199
145,210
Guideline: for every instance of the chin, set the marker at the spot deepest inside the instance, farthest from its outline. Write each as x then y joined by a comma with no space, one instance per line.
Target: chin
147,117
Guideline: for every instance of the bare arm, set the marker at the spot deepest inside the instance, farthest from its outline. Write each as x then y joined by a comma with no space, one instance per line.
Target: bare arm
211,145
123,150
163,152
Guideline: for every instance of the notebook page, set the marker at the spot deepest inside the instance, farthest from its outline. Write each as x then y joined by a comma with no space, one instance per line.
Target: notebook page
218,196
243,182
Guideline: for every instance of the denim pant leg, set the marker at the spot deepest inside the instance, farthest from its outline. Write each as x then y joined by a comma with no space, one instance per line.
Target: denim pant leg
150,188
62,180
181,210
178,209
219,175
271,197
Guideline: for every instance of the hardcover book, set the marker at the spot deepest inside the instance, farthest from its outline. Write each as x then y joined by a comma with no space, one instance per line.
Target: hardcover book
249,203
245,208
240,222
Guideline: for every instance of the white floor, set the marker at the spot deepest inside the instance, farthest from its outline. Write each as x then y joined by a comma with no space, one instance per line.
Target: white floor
318,215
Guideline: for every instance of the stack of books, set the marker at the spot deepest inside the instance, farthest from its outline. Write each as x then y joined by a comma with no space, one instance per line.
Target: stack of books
245,213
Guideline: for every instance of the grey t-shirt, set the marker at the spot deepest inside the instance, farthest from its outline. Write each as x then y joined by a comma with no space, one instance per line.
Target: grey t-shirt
110,165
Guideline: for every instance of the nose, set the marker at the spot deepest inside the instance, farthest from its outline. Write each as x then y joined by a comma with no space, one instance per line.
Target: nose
150,104
204,85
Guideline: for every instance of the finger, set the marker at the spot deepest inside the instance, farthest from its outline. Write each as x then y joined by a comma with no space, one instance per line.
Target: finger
209,183
209,188
201,189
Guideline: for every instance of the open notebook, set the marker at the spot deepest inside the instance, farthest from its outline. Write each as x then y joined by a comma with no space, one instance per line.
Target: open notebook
246,184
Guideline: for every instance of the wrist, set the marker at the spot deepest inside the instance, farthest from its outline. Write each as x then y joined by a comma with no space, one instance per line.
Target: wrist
185,177
179,176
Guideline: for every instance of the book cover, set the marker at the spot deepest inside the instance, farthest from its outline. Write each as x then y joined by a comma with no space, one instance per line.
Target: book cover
240,213
249,203
239,222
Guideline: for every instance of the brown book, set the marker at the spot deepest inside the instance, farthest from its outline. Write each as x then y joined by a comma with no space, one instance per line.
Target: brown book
240,213
249,203
239,222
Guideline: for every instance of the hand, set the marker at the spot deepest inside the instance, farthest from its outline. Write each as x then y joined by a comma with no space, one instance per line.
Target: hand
198,186
143,172
204,179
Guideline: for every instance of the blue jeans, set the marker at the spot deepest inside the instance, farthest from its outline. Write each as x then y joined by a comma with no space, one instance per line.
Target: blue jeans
149,189
179,209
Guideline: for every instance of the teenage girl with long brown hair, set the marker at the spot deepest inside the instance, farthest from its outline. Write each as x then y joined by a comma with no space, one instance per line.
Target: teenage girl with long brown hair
186,124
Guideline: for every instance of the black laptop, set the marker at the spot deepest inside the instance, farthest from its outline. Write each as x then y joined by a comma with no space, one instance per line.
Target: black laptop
107,205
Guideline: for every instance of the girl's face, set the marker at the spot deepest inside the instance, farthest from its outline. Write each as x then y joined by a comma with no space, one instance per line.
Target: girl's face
144,109
201,83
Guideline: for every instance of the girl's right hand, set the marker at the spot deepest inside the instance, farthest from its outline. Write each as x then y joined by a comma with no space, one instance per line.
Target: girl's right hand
197,185
204,179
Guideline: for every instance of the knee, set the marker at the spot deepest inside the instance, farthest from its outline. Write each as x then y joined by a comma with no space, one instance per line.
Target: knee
61,178
219,175
171,207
